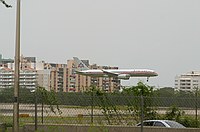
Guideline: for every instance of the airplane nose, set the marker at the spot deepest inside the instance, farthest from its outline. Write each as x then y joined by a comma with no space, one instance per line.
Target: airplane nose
156,74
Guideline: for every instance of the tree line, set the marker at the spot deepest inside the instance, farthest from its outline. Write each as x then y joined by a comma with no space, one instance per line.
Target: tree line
158,97
117,104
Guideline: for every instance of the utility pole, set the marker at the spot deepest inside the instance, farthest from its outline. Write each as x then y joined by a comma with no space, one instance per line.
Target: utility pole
17,72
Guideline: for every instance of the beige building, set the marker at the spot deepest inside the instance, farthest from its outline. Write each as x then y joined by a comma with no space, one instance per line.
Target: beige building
28,78
28,73
60,77
25,62
80,83
188,82
43,78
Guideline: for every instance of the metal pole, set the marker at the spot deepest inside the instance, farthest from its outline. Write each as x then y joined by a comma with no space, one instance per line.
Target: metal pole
196,107
142,112
92,106
36,110
42,112
17,70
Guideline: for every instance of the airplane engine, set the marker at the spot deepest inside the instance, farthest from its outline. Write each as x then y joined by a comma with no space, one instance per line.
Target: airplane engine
124,76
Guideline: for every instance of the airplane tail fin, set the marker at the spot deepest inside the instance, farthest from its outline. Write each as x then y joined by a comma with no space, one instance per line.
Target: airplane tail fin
80,65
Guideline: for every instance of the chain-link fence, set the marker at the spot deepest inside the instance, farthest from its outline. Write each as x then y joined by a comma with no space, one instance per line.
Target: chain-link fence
107,109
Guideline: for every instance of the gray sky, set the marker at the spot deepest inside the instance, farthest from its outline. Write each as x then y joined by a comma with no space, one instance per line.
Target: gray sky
157,34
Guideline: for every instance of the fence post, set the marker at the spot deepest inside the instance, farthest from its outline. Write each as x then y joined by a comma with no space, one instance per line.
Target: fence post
142,111
42,112
36,109
92,106
196,107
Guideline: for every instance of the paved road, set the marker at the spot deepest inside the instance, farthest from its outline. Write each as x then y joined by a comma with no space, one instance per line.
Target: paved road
7,109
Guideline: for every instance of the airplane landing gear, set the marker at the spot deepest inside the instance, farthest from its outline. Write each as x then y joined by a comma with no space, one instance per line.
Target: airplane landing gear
147,79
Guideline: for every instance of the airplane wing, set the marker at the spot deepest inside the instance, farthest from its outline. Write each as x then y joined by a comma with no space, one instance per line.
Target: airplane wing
110,73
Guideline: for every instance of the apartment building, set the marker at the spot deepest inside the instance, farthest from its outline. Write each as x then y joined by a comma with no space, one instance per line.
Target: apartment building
43,78
80,83
188,82
42,75
4,62
28,73
107,84
53,76
6,78
58,78
25,62
27,79
42,72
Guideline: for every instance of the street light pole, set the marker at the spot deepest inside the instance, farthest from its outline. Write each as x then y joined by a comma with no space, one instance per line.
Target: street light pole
17,71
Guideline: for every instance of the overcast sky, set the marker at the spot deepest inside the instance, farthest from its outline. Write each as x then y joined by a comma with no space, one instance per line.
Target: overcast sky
163,35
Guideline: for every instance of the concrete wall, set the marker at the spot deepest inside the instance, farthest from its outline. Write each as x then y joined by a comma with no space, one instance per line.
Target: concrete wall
84,128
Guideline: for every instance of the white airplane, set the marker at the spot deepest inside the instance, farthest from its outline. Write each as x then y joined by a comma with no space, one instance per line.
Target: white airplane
124,74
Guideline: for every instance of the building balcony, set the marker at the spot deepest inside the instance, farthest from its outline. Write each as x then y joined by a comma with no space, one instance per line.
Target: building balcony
72,75
72,89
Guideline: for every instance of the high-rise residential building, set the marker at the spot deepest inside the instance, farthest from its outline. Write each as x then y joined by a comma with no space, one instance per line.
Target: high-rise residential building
188,82
108,84
43,74
28,73
58,77
50,76
43,78
25,62
4,62
6,78
80,83
27,79
72,77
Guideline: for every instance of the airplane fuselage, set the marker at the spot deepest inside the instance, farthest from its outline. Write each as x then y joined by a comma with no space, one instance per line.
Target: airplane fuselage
130,72
116,73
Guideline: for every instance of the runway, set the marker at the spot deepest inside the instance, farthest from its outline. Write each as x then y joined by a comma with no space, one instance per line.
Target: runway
70,111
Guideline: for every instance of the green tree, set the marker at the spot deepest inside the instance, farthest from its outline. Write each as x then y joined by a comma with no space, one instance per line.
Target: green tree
107,103
134,104
140,89
26,96
174,113
49,98
165,92
6,95
185,94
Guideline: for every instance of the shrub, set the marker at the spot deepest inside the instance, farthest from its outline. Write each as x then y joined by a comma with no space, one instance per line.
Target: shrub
189,121
174,113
